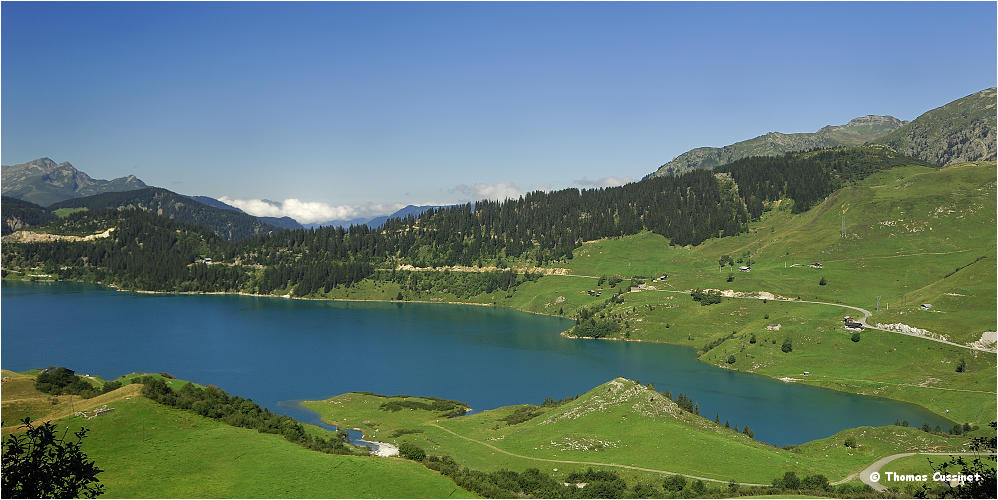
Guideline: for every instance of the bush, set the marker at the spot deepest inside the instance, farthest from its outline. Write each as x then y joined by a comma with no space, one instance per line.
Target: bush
412,452
674,483
37,464
61,380
850,442
787,345
961,366
855,337
731,359
822,282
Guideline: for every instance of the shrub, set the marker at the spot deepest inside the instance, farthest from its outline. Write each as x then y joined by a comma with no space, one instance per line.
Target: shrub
855,337
731,359
43,463
787,345
412,452
674,483
822,282
961,366
850,442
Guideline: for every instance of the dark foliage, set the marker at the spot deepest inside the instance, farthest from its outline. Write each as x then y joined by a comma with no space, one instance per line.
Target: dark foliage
706,298
232,226
18,214
212,402
446,407
38,464
807,177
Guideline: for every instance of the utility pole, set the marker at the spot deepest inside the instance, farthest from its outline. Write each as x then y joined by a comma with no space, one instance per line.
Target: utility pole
842,231
878,302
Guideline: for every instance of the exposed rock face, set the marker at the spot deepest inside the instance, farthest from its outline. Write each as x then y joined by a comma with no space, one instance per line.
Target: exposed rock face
857,132
963,130
45,182
32,237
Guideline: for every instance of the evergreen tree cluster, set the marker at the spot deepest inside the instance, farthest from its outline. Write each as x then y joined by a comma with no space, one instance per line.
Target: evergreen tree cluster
807,177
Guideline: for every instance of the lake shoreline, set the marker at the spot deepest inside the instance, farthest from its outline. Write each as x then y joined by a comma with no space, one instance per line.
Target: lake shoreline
563,333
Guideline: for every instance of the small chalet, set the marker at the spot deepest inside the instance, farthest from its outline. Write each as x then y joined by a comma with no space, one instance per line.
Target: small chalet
774,328
744,268
816,265
926,307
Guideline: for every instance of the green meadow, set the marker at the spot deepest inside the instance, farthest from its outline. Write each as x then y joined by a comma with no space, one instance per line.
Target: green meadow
621,425
148,450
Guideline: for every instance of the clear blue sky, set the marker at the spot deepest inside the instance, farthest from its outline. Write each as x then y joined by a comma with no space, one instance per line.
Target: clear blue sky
351,104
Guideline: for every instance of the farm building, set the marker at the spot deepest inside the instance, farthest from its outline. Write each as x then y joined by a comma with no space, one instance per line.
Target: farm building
926,307
744,268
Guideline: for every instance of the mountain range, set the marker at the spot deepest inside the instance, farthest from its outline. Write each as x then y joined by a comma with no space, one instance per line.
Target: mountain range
857,132
44,182
962,130
379,220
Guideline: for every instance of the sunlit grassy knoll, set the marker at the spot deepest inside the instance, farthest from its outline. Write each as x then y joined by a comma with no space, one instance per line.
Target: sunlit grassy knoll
149,450
619,423
66,212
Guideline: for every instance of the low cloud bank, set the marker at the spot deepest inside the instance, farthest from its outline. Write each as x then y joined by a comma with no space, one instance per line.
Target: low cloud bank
308,212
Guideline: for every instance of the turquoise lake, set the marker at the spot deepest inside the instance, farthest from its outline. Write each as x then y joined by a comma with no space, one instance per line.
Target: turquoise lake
277,351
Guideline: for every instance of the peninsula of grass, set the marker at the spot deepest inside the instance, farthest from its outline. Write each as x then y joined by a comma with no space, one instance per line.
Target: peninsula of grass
620,425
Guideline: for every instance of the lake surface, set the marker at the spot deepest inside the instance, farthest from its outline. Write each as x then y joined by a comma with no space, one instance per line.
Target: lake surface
277,351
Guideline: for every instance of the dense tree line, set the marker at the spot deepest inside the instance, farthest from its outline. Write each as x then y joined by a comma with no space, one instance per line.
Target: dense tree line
807,177
149,252
212,402
61,380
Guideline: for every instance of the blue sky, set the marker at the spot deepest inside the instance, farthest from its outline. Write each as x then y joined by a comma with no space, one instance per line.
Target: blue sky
354,108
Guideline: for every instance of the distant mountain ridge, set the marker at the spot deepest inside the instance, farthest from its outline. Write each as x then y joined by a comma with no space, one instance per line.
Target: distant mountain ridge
378,221
45,182
857,132
281,222
962,130
232,226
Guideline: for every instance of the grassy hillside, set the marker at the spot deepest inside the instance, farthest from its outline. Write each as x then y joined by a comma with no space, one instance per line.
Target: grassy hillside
148,450
906,229
620,425
963,130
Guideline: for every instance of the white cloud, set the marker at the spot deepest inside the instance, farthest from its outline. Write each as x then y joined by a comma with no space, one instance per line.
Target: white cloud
499,191
605,182
309,211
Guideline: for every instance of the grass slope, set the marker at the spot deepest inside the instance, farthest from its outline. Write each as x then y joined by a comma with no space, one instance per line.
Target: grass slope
148,450
621,423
